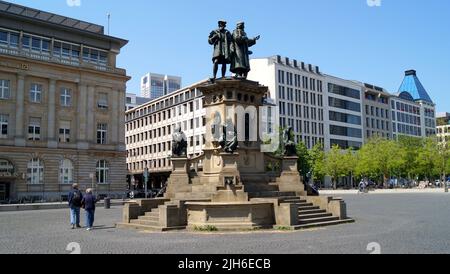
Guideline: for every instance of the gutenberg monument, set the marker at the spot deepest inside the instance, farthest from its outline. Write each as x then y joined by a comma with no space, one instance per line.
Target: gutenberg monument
233,184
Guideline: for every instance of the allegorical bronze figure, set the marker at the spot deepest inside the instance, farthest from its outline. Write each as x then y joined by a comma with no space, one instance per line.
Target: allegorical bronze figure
290,149
221,39
228,140
240,61
179,143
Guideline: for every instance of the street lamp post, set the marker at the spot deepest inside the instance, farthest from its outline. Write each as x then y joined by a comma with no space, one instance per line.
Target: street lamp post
91,176
145,181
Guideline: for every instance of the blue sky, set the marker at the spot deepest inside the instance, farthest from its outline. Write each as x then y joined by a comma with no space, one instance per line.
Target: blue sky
346,38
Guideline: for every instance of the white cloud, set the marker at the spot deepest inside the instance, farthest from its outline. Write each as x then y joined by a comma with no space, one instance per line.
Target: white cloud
374,3
73,3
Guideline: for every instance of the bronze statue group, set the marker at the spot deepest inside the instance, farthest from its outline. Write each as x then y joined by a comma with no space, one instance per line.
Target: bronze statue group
231,49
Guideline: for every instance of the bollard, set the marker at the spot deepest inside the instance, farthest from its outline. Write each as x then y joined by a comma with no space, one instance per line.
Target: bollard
107,203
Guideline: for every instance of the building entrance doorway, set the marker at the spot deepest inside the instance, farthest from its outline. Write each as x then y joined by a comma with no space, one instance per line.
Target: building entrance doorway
4,192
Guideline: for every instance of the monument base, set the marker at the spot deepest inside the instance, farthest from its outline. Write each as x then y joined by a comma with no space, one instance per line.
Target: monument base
230,216
236,191
290,179
179,179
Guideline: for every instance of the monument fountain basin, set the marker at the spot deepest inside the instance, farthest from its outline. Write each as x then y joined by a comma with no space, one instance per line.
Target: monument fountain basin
230,215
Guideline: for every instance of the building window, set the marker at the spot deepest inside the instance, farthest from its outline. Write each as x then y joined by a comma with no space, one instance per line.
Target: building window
102,102
66,172
66,97
4,125
344,91
35,171
10,39
4,89
101,172
64,132
35,93
34,129
6,168
102,130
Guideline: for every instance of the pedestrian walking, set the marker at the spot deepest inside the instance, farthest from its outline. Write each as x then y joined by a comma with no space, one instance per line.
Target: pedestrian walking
75,198
88,203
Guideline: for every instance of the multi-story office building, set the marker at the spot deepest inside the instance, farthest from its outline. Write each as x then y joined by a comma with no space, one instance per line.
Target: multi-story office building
443,119
377,112
413,111
343,114
149,129
320,108
61,105
155,85
443,127
132,101
299,90
443,133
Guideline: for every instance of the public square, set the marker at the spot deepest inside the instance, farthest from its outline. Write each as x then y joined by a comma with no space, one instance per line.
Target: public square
399,223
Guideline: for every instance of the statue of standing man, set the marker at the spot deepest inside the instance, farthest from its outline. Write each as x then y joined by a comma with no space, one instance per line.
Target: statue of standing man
240,61
221,39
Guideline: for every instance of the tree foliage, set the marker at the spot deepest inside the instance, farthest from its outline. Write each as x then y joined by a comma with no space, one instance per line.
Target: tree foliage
379,160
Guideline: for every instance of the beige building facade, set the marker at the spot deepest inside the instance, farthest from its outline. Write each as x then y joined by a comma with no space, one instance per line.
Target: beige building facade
61,106
377,112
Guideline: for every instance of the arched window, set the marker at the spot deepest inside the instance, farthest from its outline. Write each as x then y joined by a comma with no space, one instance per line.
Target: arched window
35,171
6,168
101,172
247,127
66,172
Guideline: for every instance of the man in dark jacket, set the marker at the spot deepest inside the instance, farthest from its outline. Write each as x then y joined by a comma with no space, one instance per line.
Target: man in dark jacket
88,203
221,40
75,198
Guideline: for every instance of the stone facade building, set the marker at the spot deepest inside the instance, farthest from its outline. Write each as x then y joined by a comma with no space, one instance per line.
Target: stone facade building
149,129
61,106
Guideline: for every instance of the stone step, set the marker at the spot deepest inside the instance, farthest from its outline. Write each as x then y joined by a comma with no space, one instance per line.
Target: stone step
271,194
147,227
149,218
203,188
144,222
194,196
304,204
308,207
314,215
312,211
291,200
260,187
322,224
152,214
317,220
254,178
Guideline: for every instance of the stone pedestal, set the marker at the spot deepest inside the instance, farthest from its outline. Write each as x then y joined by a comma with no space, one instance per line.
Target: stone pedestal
290,179
231,194
230,172
179,178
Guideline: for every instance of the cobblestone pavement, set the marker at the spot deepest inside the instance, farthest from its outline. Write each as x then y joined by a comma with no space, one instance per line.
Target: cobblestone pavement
413,223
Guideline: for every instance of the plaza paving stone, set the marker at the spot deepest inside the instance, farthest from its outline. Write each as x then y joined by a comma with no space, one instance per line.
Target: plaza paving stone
400,223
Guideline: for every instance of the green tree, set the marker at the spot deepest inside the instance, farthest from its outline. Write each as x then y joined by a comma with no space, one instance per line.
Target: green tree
379,158
316,162
350,159
410,147
442,160
303,162
426,158
334,164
